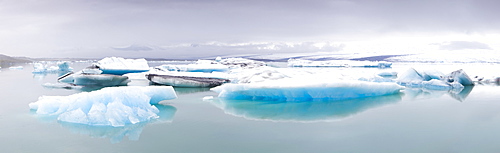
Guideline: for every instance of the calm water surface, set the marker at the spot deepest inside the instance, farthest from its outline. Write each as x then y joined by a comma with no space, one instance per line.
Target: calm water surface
414,121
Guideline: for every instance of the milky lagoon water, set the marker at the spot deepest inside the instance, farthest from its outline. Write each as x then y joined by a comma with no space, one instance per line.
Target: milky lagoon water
414,121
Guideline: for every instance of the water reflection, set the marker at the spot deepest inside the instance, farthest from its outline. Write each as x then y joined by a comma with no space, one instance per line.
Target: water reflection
181,91
116,134
316,111
419,93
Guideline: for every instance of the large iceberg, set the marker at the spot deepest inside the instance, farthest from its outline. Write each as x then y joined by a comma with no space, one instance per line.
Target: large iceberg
120,66
112,106
305,89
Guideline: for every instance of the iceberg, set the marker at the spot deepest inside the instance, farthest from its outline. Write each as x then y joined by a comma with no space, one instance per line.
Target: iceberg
82,78
187,79
461,77
62,66
305,89
16,67
112,106
120,66
240,63
205,66
337,63
93,77
434,80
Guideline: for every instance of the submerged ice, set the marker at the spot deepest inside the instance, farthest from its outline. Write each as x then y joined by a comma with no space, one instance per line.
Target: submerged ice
112,106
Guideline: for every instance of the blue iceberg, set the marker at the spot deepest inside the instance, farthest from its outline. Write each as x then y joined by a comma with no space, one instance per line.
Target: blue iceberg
299,89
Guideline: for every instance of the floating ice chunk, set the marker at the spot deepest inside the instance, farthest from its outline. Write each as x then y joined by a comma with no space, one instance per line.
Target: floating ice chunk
411,76
208,98
387,74
241,63
16,67
435,80
62,66
200,66
337,63
461,77
416,77
105,80
93,77
112,106
120,66
186,79
436,85
297,89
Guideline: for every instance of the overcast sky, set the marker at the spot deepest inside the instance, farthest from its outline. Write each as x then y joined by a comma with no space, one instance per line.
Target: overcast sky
199,28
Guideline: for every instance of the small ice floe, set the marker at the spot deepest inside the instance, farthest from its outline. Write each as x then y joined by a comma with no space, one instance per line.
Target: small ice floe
208,98
16,67
338,63
388,74
62,66
187,79
112,106
120,66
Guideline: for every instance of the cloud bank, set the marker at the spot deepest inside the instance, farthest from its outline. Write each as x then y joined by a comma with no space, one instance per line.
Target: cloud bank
52,28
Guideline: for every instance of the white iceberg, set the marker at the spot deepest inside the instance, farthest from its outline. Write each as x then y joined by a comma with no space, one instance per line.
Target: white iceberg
112,106
241,63
62,66
16,67
120,66
205,66
305,89
434,80
337,63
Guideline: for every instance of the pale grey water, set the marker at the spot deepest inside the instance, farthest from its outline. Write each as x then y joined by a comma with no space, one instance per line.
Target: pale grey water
410,122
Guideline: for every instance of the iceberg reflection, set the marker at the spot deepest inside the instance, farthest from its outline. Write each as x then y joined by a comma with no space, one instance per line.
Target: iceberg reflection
116,134
316,111
419,93
181,91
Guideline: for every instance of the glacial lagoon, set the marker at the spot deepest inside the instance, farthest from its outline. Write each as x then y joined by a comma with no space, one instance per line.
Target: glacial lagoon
413,121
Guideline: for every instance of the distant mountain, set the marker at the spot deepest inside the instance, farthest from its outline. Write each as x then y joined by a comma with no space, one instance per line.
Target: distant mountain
8,59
